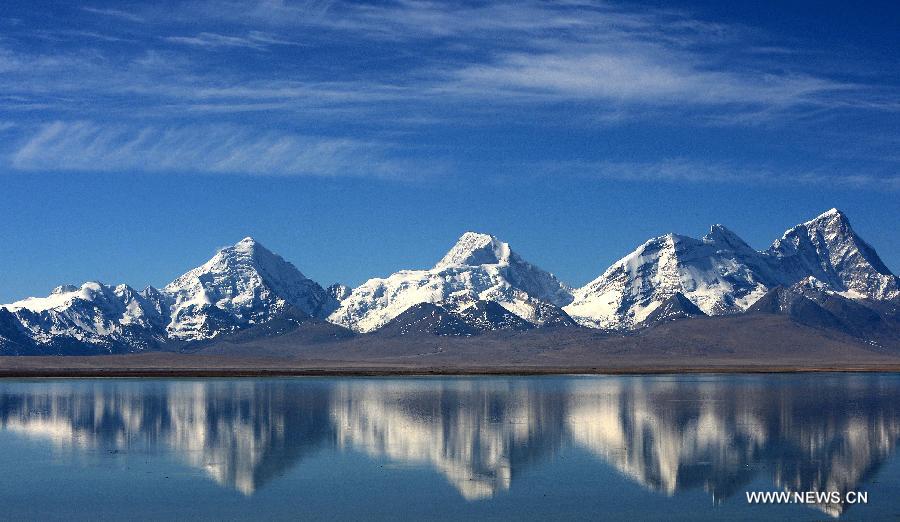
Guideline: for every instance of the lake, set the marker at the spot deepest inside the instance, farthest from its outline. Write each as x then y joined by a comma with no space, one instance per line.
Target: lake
675,447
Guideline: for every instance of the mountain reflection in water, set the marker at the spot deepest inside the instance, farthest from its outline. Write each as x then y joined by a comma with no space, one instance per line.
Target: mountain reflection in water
668,434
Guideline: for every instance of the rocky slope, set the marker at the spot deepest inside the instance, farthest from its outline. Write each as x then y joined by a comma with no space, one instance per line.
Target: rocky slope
828,249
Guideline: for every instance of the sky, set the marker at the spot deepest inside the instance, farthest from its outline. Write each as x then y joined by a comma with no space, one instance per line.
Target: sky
357,139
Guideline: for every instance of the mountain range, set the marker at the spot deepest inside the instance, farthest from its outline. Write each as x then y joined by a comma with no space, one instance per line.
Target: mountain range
820,274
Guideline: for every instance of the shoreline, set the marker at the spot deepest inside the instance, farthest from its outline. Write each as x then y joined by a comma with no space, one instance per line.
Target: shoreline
257,372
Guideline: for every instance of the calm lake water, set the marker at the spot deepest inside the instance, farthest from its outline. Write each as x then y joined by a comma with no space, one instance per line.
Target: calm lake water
636,448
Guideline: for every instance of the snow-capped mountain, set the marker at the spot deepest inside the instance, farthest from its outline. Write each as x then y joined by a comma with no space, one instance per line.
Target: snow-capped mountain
719,273
722,274
479,267
479,285
242,285
828,249
95,315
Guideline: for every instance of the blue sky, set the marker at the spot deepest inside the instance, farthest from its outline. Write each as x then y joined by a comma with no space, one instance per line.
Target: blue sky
357,139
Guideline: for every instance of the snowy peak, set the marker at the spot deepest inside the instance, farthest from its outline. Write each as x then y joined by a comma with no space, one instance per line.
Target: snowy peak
474,249
722,274
242,285
832,225
722,235
719,274
93,316
244,266
829,249
833,215
247,244
479,267
811,284
62,297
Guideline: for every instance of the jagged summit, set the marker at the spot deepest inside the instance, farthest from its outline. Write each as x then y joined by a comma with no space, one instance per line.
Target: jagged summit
61,297
833,221
247,244
828,248
91,318
721,234
831,214
719,274
245,256
473,249
241,285
722,274
479,267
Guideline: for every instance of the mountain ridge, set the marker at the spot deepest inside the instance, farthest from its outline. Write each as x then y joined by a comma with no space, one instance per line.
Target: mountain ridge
480,284
722,274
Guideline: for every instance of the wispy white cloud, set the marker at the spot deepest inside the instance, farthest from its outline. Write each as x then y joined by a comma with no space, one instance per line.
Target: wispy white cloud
537,52
678,170
647,78
420,64
72,34
425,19
494,54
253,40
114,13
226,149
162,83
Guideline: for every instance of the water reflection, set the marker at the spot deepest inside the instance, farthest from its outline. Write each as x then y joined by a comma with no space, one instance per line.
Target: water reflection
475,432
803,433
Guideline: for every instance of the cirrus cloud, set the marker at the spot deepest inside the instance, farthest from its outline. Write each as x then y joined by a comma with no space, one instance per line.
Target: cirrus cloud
91,147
